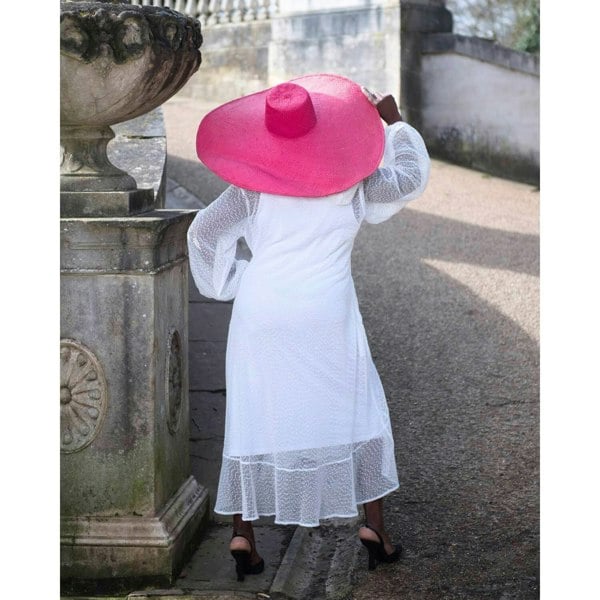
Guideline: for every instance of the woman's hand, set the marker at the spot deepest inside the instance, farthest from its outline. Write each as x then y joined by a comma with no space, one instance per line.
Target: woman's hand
385,105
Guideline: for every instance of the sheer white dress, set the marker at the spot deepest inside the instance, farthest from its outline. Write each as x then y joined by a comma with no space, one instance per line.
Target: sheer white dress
307,432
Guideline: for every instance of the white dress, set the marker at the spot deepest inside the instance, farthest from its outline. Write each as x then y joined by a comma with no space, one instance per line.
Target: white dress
307,432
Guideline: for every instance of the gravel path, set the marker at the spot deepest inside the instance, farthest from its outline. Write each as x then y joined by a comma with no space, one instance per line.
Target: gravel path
449,292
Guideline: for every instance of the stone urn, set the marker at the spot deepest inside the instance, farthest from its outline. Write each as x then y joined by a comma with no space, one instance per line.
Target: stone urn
131,512
117,61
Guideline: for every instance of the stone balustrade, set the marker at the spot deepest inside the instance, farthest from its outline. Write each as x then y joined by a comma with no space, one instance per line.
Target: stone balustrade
217,12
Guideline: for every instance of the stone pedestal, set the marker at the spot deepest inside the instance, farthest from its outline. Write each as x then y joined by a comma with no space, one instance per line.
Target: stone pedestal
417,19
129,508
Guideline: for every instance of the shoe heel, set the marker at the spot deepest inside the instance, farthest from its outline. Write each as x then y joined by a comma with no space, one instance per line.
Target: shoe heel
372,548
242,560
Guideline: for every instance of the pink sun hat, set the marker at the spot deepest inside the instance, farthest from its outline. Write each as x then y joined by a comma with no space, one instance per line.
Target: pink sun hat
312,136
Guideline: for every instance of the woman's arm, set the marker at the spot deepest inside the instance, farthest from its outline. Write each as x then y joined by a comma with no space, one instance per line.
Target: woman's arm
405,169
212,243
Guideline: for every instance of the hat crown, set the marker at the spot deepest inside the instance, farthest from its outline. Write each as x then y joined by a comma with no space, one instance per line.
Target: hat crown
289,111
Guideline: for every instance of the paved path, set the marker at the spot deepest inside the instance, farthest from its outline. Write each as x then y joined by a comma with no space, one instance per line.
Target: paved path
449,296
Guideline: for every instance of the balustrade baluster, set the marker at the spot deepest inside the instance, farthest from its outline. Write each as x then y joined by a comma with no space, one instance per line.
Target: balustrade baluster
213,12
203,10
225,12
250,14
238,10
191,8
214,8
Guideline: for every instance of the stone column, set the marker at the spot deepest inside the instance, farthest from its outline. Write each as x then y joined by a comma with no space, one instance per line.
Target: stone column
417,19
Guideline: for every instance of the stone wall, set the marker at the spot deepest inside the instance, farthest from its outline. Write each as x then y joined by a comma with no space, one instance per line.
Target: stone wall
481,105
209,325
361,42
235,62
475,102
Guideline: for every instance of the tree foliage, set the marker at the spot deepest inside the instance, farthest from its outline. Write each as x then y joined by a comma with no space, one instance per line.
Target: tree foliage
513,23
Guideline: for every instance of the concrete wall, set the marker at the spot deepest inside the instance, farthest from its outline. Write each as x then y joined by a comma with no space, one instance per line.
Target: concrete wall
475,102
480,106
360,43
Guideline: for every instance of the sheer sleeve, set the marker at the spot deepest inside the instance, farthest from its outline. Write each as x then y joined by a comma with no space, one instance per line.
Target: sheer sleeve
402,177
212,242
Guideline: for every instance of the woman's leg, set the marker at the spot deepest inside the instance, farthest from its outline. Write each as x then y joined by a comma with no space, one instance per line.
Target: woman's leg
374,518
245,541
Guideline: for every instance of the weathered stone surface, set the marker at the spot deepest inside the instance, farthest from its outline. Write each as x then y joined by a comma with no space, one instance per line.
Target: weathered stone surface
124,301
104,203
127,551
137,463
360,43
212,568
118,245
208,372
236,64
207,427
425,17
209,321
481,49
140,149
117,62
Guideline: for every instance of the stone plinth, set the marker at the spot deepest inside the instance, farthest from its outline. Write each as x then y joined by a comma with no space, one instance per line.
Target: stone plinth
129,508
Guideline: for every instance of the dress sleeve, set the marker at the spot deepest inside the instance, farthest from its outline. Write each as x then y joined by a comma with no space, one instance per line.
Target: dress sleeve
212,243
402,177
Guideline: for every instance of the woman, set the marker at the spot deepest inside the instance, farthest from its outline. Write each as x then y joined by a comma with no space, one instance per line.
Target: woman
307,433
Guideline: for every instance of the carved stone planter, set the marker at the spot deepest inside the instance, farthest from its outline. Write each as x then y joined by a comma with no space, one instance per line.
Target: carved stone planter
130,510
118,61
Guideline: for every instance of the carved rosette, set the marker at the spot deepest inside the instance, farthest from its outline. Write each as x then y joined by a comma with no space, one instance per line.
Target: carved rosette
83,396
174,381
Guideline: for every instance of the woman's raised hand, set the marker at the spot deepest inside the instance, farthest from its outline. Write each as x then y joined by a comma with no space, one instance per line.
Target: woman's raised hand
385,105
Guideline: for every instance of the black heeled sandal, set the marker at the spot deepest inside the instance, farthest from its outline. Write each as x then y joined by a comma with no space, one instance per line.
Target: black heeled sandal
377,551
242,560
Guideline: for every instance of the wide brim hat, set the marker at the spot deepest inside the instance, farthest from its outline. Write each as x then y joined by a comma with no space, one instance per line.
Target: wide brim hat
312,136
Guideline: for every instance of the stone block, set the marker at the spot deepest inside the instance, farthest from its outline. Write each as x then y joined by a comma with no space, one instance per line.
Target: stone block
207,370
133,551
124,398
209,321
425,18
207,415
105,204
207,427
118,245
